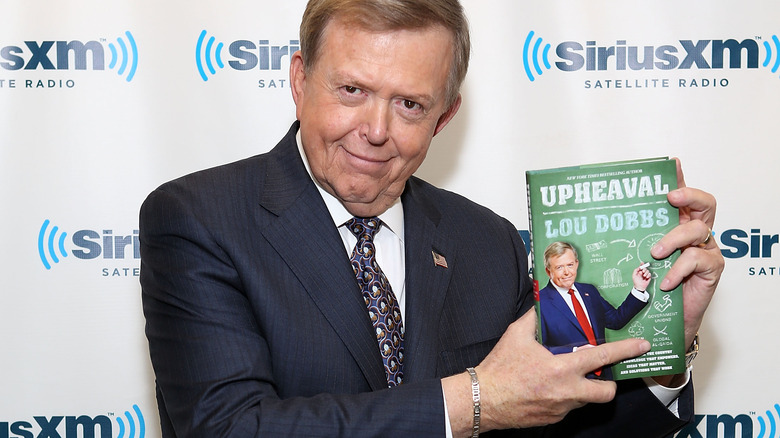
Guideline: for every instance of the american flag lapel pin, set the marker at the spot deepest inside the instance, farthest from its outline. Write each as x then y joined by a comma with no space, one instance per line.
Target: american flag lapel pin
439,259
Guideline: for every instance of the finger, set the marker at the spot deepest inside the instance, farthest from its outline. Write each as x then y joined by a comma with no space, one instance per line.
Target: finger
591,359
680,175
706,264
599,391
682,236
694,204
700,269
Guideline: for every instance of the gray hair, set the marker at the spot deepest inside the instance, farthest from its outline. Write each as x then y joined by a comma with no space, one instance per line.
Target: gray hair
387,15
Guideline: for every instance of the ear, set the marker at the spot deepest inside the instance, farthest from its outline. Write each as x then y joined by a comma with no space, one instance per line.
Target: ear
448,115
297,80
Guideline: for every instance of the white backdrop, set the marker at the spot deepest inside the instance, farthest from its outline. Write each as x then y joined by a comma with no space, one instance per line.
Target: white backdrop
82,141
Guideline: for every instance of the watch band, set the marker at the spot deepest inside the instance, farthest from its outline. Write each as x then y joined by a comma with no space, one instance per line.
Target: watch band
693,350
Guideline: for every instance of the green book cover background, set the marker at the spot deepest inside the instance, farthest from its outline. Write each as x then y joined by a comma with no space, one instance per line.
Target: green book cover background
613,213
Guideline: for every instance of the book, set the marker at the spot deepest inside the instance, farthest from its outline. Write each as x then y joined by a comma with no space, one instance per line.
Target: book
597,223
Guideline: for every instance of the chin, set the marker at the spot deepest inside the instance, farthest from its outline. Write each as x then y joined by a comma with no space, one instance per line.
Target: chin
353,195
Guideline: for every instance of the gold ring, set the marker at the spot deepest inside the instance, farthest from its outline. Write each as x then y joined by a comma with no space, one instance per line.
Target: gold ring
706,239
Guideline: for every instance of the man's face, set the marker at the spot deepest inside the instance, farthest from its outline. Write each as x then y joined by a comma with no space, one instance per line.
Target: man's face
562,269
369,108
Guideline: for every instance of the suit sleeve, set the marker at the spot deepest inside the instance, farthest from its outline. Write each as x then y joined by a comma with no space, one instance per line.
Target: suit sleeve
616,319
212,364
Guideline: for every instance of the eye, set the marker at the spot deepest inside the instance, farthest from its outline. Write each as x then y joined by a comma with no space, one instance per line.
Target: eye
411,105
351,90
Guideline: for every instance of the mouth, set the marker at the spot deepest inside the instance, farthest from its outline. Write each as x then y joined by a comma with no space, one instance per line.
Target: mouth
364,162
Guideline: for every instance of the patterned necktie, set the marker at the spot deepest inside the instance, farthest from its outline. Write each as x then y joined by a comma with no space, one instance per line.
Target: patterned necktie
381,303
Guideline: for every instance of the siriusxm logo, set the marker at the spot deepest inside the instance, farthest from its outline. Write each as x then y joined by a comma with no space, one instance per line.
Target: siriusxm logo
121,56
131,425
89,244
755,245
240,55
736,243
727,426
622,56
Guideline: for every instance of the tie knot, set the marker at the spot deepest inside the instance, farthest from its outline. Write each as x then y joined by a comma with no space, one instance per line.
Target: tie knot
571,292
364,226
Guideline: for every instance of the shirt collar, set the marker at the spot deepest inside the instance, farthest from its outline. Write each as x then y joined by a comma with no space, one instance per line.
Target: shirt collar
563,291
393,217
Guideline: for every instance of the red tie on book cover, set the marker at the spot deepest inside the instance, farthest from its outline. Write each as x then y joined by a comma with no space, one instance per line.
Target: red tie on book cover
584,323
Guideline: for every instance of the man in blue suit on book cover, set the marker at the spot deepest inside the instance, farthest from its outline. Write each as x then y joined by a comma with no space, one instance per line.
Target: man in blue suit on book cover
575,315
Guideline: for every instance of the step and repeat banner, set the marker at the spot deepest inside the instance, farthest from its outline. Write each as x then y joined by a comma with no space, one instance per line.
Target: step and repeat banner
100,102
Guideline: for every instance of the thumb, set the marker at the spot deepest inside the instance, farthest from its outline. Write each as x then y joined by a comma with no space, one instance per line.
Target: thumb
526,326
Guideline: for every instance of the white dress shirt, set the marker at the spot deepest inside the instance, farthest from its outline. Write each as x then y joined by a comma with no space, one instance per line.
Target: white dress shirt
388,240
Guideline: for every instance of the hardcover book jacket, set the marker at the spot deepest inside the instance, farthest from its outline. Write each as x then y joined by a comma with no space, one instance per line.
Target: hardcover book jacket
592,228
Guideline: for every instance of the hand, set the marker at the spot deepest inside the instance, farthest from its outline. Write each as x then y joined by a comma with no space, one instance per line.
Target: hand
641,277
700,265
582,346
524,385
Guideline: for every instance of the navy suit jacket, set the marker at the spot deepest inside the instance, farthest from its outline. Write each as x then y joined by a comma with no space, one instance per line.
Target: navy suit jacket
256,326
559,327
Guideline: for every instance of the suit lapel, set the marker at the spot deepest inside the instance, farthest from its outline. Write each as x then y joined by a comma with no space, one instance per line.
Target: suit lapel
304,235
562,308
426,283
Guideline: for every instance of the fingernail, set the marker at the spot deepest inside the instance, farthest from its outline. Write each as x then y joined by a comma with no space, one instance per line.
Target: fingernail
656,249
644,347
666,284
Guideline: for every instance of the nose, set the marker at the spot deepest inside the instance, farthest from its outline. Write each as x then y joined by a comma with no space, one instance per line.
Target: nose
376,121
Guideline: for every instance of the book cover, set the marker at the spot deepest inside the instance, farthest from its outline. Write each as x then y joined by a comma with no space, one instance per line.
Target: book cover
592,227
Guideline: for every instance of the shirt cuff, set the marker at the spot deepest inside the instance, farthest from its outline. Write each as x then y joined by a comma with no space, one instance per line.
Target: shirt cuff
642,296
668,396
447,426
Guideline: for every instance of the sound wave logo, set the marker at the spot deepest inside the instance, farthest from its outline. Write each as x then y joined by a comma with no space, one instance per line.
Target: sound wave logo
129,431
208,54
533,57
762,433
47,242
126,56
770,53
625,55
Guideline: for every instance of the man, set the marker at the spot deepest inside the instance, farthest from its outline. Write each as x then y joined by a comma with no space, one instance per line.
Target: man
254,286
574,315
